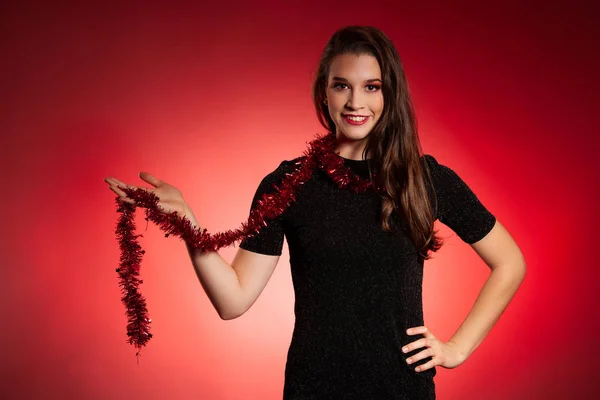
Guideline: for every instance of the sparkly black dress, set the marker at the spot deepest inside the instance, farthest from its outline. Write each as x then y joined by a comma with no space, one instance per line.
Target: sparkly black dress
357,288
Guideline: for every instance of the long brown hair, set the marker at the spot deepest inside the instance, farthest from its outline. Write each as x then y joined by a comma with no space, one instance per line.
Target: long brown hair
393,145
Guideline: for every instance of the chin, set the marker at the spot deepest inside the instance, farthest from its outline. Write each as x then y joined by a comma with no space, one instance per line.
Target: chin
355,134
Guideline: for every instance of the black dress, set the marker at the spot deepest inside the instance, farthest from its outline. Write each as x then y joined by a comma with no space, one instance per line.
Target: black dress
357,288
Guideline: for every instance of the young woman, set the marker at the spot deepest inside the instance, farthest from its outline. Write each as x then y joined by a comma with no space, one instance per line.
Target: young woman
357,258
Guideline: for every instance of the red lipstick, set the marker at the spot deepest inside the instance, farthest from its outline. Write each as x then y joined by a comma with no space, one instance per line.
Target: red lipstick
353,122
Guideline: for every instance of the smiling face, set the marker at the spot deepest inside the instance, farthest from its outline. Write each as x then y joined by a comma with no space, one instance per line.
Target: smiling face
354,100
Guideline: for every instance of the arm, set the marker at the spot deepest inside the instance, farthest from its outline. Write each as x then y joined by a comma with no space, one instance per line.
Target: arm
502,255
459,208
232,289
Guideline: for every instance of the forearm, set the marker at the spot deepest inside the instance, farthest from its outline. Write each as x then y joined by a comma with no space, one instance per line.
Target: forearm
494,297
217,277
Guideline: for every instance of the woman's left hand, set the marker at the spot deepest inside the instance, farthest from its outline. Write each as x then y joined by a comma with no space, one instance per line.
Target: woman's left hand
444,354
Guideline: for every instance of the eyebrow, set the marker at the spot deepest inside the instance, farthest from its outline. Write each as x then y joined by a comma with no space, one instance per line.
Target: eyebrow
337,78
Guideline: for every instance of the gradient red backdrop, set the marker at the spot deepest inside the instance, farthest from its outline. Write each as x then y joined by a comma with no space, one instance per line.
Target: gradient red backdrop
211,97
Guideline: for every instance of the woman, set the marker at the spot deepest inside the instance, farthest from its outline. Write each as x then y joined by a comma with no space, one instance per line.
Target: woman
357,258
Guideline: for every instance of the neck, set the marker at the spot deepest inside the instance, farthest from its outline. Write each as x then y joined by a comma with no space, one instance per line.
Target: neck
350,149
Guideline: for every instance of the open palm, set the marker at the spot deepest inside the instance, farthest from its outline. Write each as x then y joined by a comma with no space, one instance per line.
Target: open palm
170,198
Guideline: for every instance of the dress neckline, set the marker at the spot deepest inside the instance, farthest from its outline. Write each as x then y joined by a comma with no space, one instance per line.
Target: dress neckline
359,167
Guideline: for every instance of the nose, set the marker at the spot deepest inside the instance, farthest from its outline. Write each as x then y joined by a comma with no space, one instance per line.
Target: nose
355,99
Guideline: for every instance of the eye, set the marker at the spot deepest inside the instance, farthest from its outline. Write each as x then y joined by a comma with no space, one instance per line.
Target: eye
338,85
373,88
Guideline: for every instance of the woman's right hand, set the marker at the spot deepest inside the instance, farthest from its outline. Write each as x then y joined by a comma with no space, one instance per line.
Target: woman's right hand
170,198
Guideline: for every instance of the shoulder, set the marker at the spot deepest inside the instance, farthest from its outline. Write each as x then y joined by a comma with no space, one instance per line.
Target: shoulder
431,164
285,167
440,174
431,170
428,159
441,182
457,205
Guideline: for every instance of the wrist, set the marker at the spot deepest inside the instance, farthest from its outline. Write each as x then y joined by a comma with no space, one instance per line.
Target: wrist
186,212
463,353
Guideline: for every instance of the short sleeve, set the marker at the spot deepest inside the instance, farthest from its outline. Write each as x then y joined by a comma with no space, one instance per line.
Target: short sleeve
269,239
457,206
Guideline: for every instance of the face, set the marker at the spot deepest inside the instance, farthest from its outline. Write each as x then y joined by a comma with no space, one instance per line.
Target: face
354,99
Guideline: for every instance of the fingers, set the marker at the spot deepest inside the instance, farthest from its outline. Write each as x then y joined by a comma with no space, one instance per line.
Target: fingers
150,179
116,186
428,352
419,330
429,364
415,345
116,182
428,341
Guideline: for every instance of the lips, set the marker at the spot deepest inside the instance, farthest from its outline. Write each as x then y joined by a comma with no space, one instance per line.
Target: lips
364,119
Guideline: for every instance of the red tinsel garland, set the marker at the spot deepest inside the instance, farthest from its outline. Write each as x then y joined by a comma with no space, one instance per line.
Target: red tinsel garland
320,154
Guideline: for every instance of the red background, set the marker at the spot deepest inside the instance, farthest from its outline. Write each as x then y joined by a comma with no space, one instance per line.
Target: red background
211,97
